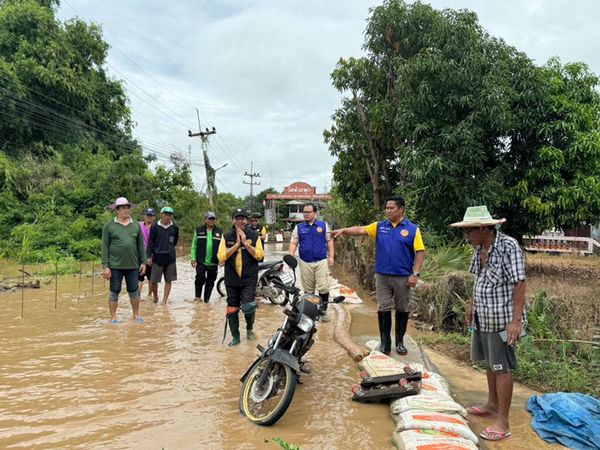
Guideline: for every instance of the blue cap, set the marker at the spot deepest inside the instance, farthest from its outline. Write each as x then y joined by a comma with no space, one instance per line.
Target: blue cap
149,212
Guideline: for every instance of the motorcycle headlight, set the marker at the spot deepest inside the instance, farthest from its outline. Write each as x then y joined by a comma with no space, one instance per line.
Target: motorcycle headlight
305,323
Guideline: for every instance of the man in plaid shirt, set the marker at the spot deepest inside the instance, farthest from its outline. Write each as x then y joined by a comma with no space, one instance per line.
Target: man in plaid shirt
497,312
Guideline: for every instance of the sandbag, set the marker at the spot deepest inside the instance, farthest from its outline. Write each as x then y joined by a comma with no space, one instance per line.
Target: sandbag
376,364
430,440
427,402
434,384
425,420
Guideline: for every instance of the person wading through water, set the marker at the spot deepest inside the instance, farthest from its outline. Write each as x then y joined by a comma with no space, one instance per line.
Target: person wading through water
205,246
241,249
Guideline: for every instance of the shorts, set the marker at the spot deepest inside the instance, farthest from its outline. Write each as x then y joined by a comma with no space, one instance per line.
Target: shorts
315,276
170,272
116,282
392,292
498,356
240,295
146,274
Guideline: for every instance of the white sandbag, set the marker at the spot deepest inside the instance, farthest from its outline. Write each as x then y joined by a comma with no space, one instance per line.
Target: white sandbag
425,420
430,439
376,364
434,384
427,402
351,296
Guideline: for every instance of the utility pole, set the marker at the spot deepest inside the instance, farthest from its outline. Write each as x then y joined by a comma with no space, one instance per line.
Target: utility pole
211,187
252,183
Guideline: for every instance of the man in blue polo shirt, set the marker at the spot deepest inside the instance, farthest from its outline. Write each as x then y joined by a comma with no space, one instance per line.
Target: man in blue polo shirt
316,253
399,256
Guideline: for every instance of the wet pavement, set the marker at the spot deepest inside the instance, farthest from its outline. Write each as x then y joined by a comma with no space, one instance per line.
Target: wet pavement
69,379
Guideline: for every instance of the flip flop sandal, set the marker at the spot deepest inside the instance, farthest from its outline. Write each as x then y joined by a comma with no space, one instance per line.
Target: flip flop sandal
490,434
115,321
478,411
139,320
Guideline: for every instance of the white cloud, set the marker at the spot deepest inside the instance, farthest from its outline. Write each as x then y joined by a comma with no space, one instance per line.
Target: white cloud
259,71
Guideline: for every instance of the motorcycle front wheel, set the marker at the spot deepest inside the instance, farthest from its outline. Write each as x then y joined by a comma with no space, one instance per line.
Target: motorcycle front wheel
264,405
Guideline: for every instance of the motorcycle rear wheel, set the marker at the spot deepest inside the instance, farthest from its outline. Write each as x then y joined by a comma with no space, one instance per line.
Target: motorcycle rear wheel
281,298
265,406
221,287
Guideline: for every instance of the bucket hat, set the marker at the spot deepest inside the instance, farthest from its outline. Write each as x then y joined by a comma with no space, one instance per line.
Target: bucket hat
121,201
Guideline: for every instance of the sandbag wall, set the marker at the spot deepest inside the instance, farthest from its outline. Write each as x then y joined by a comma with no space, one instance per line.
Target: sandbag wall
431,419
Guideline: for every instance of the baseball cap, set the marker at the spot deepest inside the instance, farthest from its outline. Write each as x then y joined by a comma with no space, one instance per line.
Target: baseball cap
239,212
149,212
210,215
167,210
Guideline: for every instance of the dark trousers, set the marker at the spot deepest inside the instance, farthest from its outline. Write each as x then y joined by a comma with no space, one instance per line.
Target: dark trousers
205,276
240,295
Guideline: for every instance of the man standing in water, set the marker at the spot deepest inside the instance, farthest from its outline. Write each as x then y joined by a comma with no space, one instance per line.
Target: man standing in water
316,254
203,254
123,256
145,225
399,256
497,311
240,250
164,236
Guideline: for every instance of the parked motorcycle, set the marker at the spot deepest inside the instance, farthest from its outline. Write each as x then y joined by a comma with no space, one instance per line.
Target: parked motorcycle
270,382
266,286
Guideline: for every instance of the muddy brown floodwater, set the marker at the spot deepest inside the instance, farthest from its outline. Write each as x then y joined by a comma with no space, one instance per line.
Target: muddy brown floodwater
69,379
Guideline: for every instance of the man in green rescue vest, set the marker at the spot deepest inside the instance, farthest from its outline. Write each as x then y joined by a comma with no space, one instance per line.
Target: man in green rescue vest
204,255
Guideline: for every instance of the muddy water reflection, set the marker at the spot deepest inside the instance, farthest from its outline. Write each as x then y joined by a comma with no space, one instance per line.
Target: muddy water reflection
68,379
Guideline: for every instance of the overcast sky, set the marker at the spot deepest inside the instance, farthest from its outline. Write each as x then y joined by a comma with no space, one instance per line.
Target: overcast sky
258,71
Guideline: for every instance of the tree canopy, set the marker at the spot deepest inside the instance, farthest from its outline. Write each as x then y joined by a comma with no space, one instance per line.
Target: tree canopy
66,145
448,116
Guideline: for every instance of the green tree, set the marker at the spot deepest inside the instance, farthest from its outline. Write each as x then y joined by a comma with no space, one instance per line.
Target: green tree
66,149
447,116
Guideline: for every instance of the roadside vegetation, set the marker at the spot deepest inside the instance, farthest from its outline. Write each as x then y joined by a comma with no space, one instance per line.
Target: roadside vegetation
558,353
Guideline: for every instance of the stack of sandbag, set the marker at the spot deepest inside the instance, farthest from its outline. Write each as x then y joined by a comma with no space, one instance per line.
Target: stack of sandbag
336,288
431,419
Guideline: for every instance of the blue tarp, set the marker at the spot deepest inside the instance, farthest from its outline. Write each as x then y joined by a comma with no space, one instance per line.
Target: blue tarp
570,419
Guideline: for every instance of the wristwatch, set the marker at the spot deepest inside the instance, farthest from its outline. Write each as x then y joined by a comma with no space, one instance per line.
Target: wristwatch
416,274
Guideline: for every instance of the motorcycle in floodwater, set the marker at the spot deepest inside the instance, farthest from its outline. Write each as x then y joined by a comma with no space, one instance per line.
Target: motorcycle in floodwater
266,287
268,386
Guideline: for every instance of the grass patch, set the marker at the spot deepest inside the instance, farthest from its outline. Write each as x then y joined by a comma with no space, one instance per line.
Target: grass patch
282,444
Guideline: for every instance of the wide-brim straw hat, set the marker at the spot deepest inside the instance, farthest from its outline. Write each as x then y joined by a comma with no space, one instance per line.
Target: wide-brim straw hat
477,216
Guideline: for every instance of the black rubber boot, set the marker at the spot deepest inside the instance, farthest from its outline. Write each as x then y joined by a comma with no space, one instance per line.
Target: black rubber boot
385,329
234,326
324,301
401,324
250,325
207,292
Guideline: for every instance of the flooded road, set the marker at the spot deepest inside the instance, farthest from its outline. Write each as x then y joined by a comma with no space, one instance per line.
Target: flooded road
69,379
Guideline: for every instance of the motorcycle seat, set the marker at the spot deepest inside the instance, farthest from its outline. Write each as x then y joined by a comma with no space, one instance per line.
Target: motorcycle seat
268,264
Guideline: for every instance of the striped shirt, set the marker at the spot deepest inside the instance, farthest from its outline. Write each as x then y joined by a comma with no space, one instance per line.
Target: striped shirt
495,282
